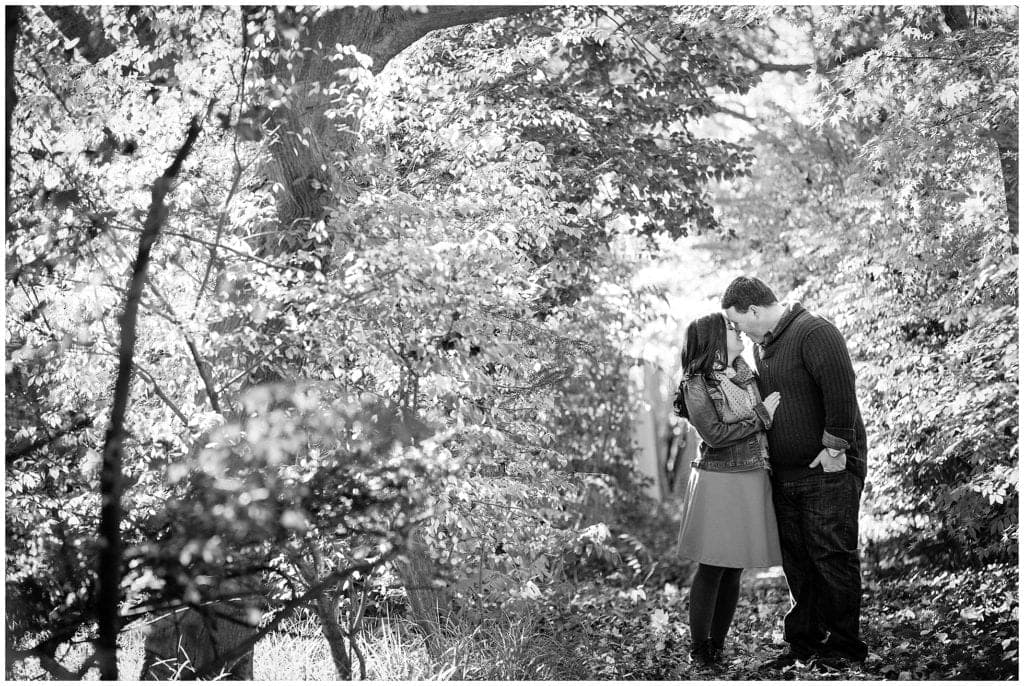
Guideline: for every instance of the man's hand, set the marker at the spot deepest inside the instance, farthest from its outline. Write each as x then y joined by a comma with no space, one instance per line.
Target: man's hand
828,463
771,403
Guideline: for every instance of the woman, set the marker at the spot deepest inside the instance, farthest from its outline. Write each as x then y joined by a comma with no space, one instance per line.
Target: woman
728,520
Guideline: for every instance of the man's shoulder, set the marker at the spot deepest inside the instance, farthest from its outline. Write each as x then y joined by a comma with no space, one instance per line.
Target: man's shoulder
816,335
807,321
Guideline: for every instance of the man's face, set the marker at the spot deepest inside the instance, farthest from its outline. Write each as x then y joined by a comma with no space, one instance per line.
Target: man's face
752,322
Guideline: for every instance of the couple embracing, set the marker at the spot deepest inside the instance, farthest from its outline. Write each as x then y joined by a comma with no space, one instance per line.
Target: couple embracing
779,475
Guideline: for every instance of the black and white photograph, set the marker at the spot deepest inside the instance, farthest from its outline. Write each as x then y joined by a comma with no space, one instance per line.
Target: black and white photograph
512,342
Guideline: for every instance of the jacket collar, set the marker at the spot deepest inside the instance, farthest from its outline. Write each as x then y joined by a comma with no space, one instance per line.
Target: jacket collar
767,344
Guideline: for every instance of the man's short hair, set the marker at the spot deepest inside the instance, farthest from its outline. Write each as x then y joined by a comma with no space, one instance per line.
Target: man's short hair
745,291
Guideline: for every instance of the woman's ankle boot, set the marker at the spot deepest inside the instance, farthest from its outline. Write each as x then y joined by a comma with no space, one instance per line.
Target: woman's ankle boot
717,650
702,653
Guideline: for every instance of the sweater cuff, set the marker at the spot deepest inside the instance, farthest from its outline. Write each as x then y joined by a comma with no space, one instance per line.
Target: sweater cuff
762,412
830,441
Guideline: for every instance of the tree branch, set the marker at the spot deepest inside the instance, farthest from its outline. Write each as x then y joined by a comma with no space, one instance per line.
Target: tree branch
384,33
111,478
766,67
732,113
851,54
92,42
171,316
211,668
763,67
44,650
79,421
236,172
227,384
46,660
204,374
210,244
163,396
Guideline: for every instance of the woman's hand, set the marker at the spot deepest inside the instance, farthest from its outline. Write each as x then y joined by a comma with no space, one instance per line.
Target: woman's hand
771,403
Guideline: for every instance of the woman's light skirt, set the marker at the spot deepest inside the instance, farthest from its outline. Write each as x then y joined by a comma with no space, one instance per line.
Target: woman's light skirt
729,520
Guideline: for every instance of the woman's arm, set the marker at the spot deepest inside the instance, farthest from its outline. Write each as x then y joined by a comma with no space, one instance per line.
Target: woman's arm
705,418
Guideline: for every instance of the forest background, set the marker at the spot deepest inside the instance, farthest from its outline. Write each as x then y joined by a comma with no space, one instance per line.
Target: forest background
321,328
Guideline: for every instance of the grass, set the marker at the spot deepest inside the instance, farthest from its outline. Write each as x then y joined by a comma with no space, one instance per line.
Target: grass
71,655
503,647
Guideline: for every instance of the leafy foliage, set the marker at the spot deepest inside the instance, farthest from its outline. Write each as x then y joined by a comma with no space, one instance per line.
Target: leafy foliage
882,203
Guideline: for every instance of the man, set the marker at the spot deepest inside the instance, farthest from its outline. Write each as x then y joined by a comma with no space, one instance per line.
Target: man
818,454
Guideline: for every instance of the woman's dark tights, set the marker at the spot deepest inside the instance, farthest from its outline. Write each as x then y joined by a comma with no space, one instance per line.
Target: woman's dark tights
713,596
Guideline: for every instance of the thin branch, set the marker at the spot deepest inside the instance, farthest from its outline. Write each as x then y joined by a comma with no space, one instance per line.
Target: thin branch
204,374
186,237
236,172
171,316
170,606
503,506
163,396
622,25
201,366
253,368
49,85
352,297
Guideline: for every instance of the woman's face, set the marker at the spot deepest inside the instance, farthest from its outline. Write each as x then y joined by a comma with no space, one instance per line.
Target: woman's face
733,340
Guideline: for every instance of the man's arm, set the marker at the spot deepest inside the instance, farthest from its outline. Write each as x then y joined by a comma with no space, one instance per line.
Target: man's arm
826,358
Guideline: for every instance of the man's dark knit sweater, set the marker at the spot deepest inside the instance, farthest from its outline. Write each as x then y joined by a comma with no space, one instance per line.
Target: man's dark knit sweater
805,359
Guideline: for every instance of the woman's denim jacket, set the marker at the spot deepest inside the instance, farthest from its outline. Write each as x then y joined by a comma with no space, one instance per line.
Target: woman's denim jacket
726,447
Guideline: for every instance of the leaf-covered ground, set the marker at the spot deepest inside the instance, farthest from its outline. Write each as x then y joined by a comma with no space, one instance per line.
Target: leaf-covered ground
919,624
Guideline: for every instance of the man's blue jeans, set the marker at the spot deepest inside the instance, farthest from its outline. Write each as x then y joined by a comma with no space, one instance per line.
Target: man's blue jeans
817,518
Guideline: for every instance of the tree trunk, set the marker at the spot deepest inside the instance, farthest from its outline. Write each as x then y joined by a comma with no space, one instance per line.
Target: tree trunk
14,19
309,147
182,643
1009,161
108,594
326,607
428,604
1006,141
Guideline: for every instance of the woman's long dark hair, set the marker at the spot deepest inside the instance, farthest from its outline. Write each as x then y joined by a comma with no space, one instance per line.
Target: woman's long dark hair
705,351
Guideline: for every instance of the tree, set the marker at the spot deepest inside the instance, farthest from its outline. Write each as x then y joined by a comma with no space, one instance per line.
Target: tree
408,314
